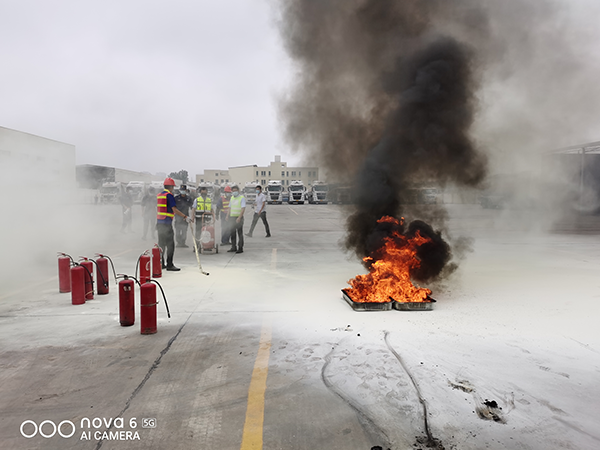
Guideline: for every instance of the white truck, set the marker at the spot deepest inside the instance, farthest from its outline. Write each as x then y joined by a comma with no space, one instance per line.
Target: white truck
297,192
319,193
157,186
250,191
110,192
137,190
275,192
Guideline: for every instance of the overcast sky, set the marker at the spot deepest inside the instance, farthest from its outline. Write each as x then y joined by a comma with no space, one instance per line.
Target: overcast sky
156,85
145,84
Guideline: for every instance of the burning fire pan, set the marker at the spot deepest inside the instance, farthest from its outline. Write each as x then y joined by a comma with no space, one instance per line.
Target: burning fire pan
414,306
362,306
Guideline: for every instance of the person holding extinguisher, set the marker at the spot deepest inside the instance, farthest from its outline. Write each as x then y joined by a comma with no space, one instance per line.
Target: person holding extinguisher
166,209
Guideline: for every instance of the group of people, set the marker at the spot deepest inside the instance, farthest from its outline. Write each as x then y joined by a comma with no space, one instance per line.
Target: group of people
229,208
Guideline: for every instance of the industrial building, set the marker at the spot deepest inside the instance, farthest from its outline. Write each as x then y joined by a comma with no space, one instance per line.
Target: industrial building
215,176
91,176
276,170
47,163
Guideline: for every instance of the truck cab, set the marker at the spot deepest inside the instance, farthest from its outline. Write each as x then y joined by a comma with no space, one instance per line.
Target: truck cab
297,192
110,192
274,192
137,190
250,192
319,193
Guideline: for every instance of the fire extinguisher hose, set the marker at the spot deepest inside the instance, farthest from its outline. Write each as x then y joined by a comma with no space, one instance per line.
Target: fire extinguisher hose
197,251
164,297
68,256
100,255
126,277
90,274
104,282
137,264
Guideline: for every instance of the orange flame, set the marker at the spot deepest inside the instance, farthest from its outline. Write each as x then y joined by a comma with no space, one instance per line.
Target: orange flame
389,276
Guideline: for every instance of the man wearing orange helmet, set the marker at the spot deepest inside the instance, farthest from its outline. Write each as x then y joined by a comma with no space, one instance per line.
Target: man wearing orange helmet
166,209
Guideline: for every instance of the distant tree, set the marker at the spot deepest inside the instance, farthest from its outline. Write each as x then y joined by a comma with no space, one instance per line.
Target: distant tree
181,175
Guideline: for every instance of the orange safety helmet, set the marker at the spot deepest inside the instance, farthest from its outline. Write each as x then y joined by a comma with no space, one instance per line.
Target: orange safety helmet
227,189
169,182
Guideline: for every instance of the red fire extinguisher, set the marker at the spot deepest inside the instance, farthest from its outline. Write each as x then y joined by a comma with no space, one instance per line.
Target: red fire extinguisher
89,277
127,300
64,272
102,276
143,263
148,306
156,261
78,274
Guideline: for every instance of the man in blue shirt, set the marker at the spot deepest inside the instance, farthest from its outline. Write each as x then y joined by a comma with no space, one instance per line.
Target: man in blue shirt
184,203
166,209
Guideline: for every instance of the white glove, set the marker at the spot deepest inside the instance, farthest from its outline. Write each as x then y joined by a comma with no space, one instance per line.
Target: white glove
188,219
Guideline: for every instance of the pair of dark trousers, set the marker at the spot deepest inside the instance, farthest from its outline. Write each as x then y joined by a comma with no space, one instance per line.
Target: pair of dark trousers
237,228
181,227
263,216
225,231
166,241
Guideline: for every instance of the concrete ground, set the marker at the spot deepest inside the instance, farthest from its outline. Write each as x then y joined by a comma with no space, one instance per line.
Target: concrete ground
263,353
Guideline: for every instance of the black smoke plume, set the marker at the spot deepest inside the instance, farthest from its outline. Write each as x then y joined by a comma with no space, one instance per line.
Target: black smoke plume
385,98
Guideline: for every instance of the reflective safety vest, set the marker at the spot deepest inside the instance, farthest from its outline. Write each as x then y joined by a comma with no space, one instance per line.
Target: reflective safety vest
203,205
225,204
161,206
235,203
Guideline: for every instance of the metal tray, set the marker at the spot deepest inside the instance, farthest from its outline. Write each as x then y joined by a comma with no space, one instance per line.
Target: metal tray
362,306
414,306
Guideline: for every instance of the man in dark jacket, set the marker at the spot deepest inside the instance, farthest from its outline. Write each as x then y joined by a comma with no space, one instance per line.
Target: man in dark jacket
183,203
126,206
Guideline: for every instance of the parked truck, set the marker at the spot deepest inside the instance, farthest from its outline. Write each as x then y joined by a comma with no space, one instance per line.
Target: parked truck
319,193
250,192
275,192
110,192
136,189
297,192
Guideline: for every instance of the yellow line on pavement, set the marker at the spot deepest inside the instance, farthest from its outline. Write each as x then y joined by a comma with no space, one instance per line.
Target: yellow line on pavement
252,437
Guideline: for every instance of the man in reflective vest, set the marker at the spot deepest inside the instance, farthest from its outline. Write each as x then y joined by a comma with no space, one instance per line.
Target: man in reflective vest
203,211
183,202
235,219
223,209
165,211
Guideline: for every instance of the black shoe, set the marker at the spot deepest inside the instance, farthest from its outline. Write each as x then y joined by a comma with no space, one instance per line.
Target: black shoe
173,269
164,267
231,250
248,234
268,235
240,251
